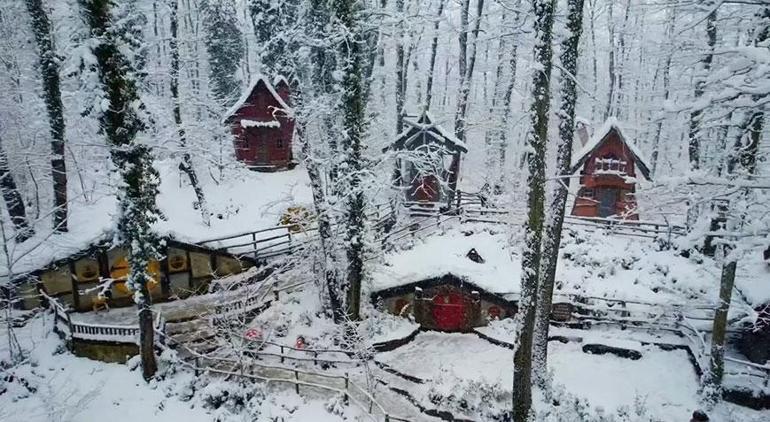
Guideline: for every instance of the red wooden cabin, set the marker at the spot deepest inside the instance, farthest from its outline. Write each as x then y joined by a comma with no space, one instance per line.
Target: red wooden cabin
431,159
608,167
263,126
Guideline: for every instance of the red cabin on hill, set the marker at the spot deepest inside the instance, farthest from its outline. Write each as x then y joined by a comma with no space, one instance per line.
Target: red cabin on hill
608,167
263,125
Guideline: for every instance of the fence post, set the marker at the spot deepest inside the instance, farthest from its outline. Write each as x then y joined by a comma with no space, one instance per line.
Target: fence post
69,323
296,378
276,294
281,354
291,245
347,382
315,358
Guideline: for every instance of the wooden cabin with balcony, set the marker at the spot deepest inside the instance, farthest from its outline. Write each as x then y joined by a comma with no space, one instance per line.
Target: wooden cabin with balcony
609,168
262,125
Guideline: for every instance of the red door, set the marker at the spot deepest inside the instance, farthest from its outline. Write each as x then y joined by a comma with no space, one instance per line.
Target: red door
426,189
449,311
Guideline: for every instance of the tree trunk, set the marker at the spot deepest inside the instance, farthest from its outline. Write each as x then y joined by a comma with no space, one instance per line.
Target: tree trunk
185,165
555,217
433,50
670,25
695,135
14,203
133,161
467,63
400,82
530,258
613,78
49,68
506,108
354,107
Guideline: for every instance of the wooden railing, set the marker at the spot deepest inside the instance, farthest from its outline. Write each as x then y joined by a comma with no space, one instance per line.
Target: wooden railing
248,367
88,331
283,240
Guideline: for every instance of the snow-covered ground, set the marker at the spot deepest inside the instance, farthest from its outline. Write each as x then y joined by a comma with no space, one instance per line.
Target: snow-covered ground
463,365
52,385
245,200
592,263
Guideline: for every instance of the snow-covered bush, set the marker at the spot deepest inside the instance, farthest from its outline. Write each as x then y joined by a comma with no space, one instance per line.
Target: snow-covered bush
480,398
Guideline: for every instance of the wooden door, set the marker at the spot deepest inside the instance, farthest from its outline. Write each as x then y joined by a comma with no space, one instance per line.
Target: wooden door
607,198
449,311
427,189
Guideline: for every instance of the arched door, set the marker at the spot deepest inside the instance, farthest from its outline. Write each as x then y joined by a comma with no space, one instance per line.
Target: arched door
449,311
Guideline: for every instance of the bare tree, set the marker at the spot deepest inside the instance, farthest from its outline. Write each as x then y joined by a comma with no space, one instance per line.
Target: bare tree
555,216
186,164
49,69
14,203
695,134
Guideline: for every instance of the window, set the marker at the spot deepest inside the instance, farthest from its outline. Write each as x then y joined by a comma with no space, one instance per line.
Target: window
609,164
279,143
587,193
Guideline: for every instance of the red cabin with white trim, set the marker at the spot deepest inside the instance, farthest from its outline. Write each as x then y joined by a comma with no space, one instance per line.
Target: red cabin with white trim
608,166
262,124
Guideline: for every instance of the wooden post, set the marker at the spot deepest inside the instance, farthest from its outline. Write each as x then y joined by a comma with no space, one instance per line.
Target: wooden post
347,384
291,245
296,384
281,354
276,294
315,358
254,244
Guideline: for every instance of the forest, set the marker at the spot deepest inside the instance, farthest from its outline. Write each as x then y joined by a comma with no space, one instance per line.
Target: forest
391,210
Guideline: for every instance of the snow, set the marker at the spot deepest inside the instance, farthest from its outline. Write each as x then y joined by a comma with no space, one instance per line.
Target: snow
432,125
244,201
462,364
596,264
247,93
70,388
246,123
597,137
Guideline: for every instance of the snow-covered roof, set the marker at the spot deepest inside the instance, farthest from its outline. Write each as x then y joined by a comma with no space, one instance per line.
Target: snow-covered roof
247,123
233,206
279,79
246,94
599,137
425,125
591,264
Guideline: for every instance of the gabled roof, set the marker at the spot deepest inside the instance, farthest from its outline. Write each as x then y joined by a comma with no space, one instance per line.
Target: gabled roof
600,137
425,128
260,79
280,79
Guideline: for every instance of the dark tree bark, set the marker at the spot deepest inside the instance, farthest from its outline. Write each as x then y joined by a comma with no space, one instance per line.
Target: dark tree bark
354,109
433,50
613,77
14,203
555,218
186,164
467,64
121,123
530,259
400,68
666,89
695,135
49,69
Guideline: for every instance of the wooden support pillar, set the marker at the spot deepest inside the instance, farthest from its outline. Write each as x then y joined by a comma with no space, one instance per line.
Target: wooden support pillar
75,291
